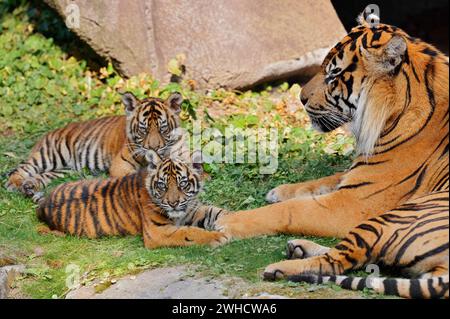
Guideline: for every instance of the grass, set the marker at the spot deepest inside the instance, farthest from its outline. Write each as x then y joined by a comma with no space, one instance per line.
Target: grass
43,87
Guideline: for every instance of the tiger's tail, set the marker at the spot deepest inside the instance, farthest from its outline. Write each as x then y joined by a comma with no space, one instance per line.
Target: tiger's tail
429,288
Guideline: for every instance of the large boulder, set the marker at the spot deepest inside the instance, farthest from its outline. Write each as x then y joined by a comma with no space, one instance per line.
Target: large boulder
231,43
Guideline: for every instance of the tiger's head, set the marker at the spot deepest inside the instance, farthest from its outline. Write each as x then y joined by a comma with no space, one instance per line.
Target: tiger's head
173,184
364,80
151,123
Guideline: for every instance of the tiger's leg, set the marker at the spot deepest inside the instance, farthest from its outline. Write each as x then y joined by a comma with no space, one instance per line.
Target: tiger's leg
30,179
413,237
301,249
32,186
347,255
329,215
439,271
47,160
170,235
203,216
316,187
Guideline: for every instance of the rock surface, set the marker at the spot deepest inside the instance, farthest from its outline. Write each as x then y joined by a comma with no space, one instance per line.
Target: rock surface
161,283
229,43
7,276
188,282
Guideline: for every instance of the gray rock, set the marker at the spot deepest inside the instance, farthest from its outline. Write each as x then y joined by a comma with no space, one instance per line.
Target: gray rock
7,276
162,283
231,43
4,287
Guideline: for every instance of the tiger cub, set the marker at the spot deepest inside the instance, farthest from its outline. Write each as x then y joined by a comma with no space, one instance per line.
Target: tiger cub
159,202
115,143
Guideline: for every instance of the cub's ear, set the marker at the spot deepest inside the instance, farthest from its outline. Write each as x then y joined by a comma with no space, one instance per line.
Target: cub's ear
130,102
388,57
152,159
197,162
174,102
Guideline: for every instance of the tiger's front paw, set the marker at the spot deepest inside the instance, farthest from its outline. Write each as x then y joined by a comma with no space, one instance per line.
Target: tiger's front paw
281,270
302,248
273,196
280,194
29,188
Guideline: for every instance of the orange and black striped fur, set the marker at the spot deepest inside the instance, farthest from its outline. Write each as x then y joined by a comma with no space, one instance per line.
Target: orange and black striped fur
391,206
159,202
115,143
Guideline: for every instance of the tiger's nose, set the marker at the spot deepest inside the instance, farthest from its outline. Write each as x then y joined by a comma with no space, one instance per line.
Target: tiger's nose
173,204
155,143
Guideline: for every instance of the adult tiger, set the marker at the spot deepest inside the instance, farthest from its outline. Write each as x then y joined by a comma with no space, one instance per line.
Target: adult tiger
159,202
391,206
117,143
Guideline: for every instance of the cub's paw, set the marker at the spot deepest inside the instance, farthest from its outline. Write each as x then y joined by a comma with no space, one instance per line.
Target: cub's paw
29,188
302,248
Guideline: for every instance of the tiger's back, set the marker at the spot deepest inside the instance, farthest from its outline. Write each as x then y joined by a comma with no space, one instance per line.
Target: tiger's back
90,144
96,208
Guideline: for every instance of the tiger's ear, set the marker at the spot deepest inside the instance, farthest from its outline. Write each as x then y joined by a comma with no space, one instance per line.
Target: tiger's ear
174,102
395,51
130,102
387,58
197,162
152,159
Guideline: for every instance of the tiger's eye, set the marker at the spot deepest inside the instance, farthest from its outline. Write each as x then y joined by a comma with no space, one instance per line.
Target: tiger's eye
161,185
183,184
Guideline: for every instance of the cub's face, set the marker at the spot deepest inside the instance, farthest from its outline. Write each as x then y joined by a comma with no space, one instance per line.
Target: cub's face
151,122
173,185
337,94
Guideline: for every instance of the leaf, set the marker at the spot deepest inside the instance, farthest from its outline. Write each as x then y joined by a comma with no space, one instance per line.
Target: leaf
348,149
328,150
248,200
6,110
170,88
10,154
295,91
174,67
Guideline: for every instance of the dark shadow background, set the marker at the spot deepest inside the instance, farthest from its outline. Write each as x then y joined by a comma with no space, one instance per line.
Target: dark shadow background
426,19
